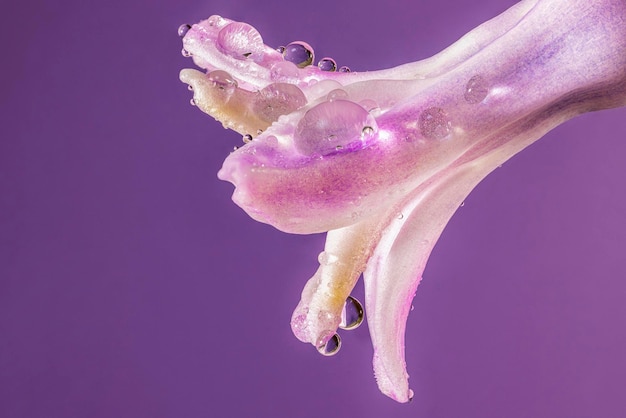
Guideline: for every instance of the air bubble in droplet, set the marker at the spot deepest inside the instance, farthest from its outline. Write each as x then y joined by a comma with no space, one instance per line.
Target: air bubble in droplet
223,81
185,53
352,314
327,64
328,346
329,124
300,53
240,40
476,90
183,29
337,94
344,69
434,123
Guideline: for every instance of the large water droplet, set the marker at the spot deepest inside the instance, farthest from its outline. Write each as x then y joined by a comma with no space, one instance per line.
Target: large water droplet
278,99
331,124
476,89
352,314
240,40
434,123
183,29
327,64
223,81
329,346
300,53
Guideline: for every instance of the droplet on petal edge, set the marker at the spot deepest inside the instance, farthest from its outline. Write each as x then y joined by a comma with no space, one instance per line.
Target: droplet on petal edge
240,40
183,29
327,64
300,53
344,69
331,347
352,314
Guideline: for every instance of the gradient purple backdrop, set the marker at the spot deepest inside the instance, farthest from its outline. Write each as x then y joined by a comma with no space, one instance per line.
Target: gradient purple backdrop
131,286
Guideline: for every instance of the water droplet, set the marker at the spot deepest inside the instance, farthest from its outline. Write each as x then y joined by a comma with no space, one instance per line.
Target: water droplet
369,104
344,69
476,89
235,148
412,308
190,87
327,64
325,258
352,314
462,204
300,53
337,94
367,132
192,102
411,395
400,215
223,81
240,40
434,123
329,346
284,71
246,138
185,53
216,21
280,49
276,100
183,29
329,124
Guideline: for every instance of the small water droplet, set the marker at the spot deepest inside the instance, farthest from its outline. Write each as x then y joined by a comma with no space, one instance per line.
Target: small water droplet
246,138
235,148
192,102
434,123
412,308
400,215
280,49
337,94
352,314
300,53
327,64
240,40
185,53
216,21
183,29
223,81
476,89
344,69
462,204
329,346
190,87
367,131
411,395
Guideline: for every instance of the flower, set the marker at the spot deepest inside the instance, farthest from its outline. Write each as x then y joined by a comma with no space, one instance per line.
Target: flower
381,160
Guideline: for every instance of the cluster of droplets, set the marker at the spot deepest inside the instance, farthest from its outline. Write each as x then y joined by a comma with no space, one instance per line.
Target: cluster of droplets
302,55
352,314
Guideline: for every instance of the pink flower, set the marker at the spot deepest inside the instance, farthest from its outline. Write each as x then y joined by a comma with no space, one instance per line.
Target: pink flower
381,160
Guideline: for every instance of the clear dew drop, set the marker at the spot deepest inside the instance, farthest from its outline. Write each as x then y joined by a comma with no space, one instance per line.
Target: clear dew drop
344,69
331,124
192,102
352,314
246,138
330,347
183,29
337,94
280,49
411,395
434,123
367,131
327,64
189,87
277,99
240,40
400,215
216,21
185,53
300,53
223,81
476,90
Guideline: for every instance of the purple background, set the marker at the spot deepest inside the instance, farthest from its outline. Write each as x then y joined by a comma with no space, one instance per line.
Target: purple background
131,286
